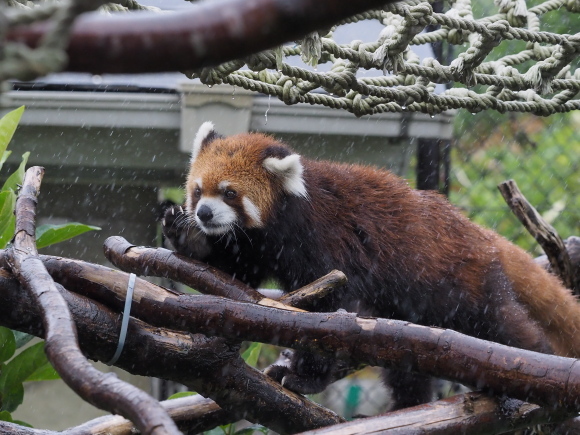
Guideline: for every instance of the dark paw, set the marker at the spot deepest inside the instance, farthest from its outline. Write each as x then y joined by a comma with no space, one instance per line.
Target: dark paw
303,385
184,235
294,382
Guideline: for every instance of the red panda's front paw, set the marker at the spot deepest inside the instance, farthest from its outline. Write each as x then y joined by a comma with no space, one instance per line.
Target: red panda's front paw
184,235
294,382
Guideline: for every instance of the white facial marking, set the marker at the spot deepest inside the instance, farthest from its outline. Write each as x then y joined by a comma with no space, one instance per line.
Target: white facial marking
253,212
223,185
223,218
203,132
290,170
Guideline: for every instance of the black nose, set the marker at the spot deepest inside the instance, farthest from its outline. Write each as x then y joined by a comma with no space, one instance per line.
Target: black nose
204,213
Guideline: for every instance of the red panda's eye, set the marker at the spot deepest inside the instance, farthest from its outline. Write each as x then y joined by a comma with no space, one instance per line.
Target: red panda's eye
230,194
197,192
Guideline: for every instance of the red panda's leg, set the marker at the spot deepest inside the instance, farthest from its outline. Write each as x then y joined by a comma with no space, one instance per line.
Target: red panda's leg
408,389
508,319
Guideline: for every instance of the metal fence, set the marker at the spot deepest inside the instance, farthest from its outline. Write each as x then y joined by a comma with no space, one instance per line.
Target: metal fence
542,156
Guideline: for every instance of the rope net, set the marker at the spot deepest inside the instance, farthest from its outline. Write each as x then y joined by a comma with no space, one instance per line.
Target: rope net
540,79
543,78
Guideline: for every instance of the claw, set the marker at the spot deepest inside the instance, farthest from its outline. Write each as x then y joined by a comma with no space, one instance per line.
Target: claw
163,221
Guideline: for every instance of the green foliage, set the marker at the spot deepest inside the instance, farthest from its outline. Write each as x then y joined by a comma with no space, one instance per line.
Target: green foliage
252,353
547,173
230,429
31,363
50,234
182,394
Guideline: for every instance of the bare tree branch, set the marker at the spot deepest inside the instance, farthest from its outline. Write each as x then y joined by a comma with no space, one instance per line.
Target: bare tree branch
105,391
210,366
207,35
522,374
168,264
308,296
471,413
543,232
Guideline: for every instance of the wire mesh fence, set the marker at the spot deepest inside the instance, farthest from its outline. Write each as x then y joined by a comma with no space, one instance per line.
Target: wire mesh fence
543,157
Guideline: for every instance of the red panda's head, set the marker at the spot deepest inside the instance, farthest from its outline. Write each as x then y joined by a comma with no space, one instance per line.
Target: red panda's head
235,181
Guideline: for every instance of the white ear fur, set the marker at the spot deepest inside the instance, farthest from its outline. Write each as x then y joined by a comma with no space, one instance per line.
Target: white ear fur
290,169
202,134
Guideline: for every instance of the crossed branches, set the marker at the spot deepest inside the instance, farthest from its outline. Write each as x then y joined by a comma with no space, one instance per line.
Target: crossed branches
194,339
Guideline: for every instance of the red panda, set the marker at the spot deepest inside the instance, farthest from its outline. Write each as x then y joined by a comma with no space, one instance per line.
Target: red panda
257,210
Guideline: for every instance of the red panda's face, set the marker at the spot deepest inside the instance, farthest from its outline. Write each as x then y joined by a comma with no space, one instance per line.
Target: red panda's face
235,181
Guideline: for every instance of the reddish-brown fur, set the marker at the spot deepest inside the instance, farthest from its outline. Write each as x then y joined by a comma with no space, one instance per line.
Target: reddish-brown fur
408,254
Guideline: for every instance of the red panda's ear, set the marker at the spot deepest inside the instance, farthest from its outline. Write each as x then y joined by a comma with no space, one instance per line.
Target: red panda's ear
288,168
205,135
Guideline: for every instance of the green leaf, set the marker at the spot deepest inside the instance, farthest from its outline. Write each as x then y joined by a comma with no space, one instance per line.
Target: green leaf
21,338
4,157
251,429
50,234
7,218
22,366
44,373
182,394
12,397
6,416
8,125
252,354
7,344
15,179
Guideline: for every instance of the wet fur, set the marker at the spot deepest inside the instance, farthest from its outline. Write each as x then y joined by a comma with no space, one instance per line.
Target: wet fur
408,255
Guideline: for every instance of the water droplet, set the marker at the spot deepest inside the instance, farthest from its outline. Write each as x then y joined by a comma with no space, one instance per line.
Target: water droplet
432,116
266,114
234,93
209,86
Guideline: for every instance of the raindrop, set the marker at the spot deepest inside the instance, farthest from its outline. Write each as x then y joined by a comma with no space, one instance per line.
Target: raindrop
266,114
209,86
432,116
234,93
97,79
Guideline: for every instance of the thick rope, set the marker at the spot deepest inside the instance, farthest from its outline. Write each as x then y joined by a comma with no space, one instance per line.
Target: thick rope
538,79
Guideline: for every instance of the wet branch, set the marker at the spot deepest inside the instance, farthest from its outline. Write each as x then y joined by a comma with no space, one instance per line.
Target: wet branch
199,361
168,264
211,366
543,232
526,375
471,413
105,391
206,35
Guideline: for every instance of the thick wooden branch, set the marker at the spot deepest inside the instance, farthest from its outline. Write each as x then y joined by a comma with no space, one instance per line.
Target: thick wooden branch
308,296
543,232
168,264
150,351
526,375
572,245
207,35
471,413
105,391
210,366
